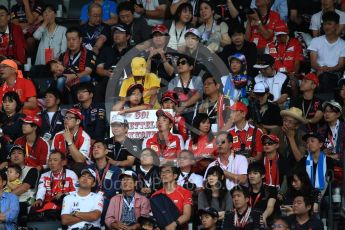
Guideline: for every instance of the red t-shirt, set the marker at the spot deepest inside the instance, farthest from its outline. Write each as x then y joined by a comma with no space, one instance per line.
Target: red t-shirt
202,148
245,136
180,197
25,89
286,55
269,24
36,155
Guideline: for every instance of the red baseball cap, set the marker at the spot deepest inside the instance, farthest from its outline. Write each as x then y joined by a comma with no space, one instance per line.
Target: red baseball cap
169,95
312,76
32,120
160,28
281,28
239,106
166,114
74,111
48,206
272,137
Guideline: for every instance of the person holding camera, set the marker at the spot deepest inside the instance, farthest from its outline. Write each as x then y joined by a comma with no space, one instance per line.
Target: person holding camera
261,24
246,137
233,165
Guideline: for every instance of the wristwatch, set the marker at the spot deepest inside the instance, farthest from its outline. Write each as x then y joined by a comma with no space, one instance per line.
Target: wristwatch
177,223
69,143
74,213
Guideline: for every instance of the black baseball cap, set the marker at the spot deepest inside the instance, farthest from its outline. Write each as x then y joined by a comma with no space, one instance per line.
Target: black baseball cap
211,211
264,61
313,134
121,27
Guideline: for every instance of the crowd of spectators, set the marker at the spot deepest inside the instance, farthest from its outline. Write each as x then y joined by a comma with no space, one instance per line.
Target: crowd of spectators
248,97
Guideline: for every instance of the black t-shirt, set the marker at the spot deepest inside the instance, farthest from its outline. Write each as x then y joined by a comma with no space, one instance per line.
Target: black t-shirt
116,150
74,61
259,200
110,56
313,223
140,31
271,116
12,126
31,177
90,34
249,50
305,10
309,109
254,221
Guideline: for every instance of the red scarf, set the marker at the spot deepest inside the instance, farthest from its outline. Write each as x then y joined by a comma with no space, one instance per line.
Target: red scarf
272,172
82,59
220,109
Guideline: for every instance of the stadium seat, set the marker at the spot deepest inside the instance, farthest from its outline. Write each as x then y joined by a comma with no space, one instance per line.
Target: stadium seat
75,8
45,225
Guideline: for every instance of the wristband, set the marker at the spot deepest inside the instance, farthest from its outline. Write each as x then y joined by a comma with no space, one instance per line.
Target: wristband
178,224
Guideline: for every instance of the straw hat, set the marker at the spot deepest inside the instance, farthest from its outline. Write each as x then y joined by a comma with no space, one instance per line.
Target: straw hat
293,112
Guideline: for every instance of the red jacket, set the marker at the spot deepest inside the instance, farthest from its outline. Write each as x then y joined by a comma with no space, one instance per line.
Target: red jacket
36,155
202,148
16,48
167,151
180,126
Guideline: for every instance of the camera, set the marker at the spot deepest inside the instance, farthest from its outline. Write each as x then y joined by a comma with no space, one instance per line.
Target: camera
249,11
189,186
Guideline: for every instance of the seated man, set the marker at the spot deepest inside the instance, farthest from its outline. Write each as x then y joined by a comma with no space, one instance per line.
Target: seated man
27,190
277,82
121,214
83,208
52,119
36,148
165,143
153,11
181,197
9,206
264,203
109,9
94,32
107,175
327,55
14,81
243,216
54,185
78,62
302,218
73,141
16,49
94,121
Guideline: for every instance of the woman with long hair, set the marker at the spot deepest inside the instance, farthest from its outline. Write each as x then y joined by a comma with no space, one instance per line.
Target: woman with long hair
202,142
179,25
215,194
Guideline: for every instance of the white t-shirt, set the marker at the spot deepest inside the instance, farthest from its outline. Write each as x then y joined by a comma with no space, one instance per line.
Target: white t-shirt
194,178
328,54
50,115
315,23
237,165
74,202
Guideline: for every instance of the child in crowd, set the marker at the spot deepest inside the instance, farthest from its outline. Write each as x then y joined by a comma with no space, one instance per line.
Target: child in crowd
64,76
13,174
235,84
209,217
134,100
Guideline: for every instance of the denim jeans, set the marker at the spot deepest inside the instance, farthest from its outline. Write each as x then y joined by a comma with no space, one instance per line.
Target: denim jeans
61,81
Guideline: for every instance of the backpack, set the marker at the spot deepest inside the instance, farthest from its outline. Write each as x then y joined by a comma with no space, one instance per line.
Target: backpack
164,210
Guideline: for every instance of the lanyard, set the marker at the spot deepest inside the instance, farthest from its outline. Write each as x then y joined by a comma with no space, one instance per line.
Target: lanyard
101,180
245,139
179,37
54,121
27,152
182,85
255,201
241,223
116,153
213,108
73,60
129,205
51,37
309,107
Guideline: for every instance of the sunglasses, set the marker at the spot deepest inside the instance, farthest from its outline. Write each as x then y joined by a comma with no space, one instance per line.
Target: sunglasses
183,62
268,143
222,142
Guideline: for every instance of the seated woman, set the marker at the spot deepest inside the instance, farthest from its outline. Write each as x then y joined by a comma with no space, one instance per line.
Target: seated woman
215,194
10,117
134,100
52,37
202,142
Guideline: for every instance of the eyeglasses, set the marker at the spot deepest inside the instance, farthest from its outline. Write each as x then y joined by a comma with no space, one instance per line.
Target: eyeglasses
278,226
222,142
268,143
166,172
183,62
69,118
